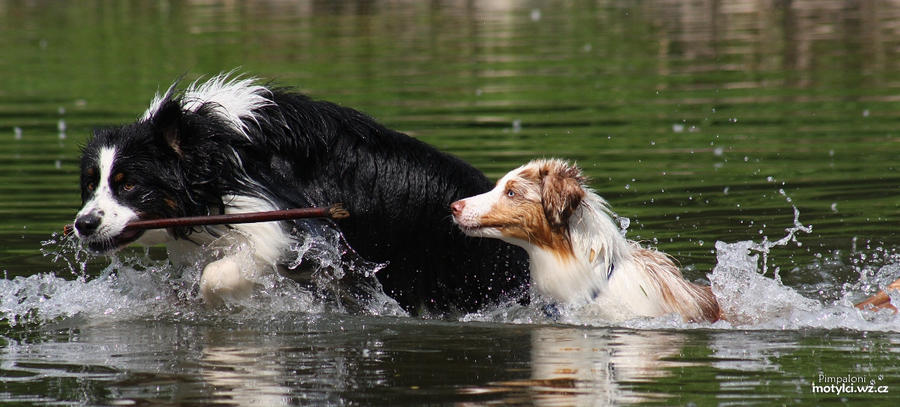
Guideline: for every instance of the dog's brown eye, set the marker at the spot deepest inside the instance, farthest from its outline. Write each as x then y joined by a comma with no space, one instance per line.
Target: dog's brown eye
90,187
127,187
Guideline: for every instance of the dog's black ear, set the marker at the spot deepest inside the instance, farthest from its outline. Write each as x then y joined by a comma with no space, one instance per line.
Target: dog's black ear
561,192
167,123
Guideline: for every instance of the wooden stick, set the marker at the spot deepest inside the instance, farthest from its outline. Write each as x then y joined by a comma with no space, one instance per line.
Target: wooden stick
881,300
335,211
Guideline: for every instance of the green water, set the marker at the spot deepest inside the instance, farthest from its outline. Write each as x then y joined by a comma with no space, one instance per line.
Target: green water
689,117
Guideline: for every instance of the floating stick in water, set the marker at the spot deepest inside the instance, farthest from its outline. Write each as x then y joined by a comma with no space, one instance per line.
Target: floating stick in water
335,211
881,300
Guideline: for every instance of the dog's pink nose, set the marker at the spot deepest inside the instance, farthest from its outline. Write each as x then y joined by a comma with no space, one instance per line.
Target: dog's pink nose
457,207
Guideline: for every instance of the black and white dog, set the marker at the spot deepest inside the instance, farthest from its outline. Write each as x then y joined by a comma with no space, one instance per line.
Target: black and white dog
231,145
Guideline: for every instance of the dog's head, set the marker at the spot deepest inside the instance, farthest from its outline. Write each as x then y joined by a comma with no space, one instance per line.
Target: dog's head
134,172
530,205
179,159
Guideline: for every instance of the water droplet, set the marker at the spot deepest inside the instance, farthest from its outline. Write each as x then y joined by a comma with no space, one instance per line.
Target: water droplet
624,223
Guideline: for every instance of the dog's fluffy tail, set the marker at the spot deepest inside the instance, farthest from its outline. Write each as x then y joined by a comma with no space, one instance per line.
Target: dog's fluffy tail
694,302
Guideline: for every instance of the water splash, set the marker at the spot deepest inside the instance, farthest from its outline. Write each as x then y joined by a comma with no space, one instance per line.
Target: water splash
764,246
339,275
747,296
122,290
624,223
324,275
66,250
134,286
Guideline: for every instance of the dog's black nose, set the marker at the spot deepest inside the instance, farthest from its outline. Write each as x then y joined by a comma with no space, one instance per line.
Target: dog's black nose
86,225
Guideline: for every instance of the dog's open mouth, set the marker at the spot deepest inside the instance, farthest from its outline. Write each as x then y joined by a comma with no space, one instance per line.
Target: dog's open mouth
111,244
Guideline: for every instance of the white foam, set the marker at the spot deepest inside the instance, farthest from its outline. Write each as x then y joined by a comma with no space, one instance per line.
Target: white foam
135,287
125,294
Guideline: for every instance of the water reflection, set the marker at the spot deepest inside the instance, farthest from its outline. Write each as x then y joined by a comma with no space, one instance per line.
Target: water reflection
573,366
801,38
244,375
582,366
750,352
168,364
